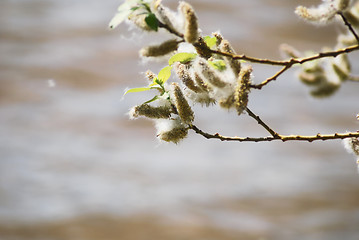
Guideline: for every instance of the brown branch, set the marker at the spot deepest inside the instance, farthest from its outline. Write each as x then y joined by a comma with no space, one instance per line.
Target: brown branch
287,64
263,124
283,138
294,61
350,27
250,59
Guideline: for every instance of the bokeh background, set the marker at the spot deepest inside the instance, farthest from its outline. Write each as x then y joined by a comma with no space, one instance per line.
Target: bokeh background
72,166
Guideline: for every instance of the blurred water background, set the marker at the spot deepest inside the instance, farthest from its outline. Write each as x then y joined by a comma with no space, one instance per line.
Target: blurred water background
72,166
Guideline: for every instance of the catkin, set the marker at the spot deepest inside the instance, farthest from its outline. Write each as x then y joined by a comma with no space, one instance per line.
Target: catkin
325,89
210,74
233,63
191,34
243,89
151,112
174,135
184,75
163,14
183,108
160,50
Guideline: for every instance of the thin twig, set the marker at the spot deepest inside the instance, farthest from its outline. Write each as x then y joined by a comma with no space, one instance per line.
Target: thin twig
263,124
350,27
250,59
287,64
283,138
294,61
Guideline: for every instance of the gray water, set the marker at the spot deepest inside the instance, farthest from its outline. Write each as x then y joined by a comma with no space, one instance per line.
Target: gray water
67,148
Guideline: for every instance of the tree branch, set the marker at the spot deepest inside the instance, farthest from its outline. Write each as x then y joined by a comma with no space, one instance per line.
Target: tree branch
294,61
350,27
263,124
283,138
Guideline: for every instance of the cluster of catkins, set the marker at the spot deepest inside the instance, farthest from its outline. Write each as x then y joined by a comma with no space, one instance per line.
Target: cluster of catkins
326,75
352,146
200,82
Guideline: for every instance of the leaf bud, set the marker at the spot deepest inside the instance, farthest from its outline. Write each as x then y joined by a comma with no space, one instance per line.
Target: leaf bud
289,50
150,75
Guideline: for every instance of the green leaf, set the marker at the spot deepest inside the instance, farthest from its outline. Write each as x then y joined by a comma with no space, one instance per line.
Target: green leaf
123,11
119,18
182,58
210,41
155,82
164,74
134,90
218,64
152,100
152,21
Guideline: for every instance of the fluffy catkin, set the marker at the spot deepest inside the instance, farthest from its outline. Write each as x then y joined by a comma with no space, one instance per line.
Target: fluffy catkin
324,12
352,145
160,50
139,20
326,89
165,15
243,89
210,74
151,112
183,108
233,63
342,4
341,66
184,74
200,82
171,130
191,34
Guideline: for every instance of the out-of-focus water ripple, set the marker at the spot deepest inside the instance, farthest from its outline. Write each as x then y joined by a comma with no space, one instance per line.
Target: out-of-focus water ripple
68,150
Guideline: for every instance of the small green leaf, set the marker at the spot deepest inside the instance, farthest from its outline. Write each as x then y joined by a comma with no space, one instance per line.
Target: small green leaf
135,8
155,82
164,74
134,90
119,18
152,100
218,64
123,11
182,58
152,21
210,41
